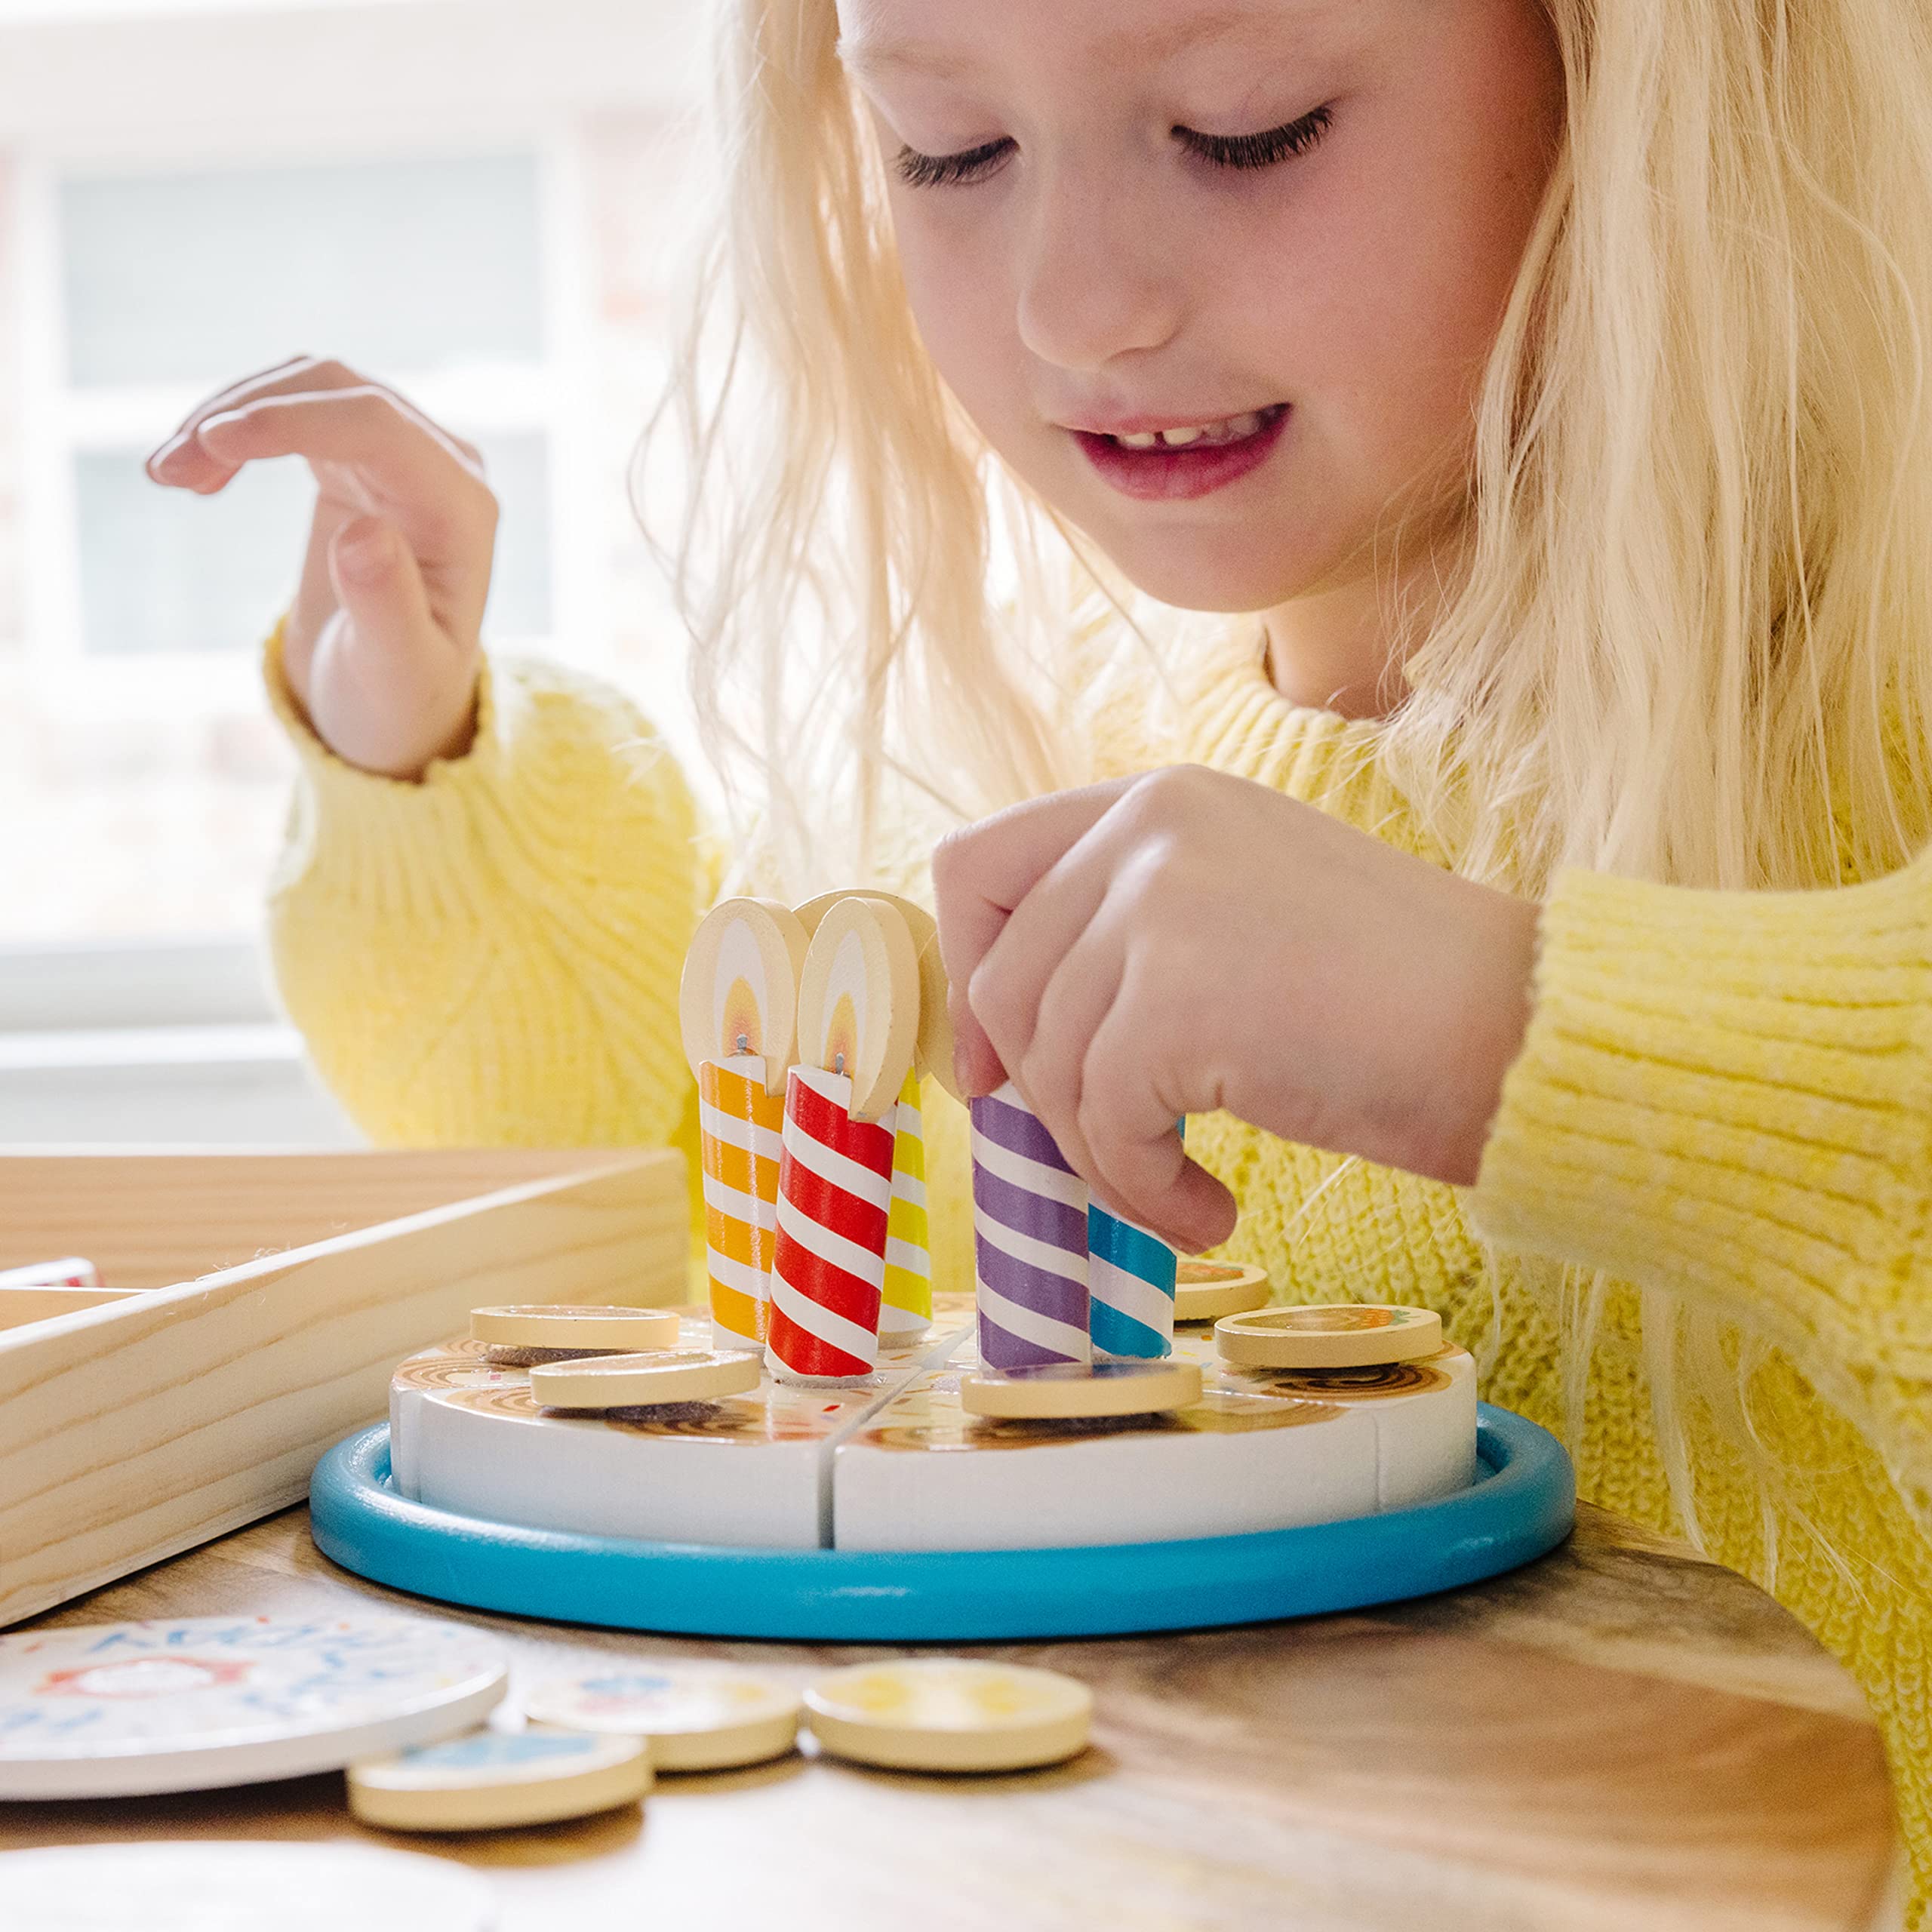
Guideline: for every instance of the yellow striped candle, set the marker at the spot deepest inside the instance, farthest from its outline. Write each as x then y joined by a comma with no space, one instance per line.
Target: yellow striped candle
907,1311
740,1128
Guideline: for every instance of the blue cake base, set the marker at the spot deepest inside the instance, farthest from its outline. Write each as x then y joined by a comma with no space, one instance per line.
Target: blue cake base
1522,1504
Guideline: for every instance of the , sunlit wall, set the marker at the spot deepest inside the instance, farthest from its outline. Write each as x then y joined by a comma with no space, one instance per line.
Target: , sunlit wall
465,198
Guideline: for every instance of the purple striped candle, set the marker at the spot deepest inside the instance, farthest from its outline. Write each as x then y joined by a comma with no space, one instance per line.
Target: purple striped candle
1029,1238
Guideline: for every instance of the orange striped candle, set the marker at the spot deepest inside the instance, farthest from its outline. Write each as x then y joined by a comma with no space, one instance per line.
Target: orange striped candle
739,1130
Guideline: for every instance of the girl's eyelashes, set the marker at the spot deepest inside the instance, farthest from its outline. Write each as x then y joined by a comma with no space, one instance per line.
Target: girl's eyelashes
1229,150
1260,150
926,171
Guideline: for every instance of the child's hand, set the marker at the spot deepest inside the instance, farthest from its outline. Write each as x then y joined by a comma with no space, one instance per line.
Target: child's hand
382,645
1183,941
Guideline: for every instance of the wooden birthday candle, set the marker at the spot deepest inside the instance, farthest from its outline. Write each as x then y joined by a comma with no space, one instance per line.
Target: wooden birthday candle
1131,1273
857,1034
1060,1278
906,1311
1030,1240
738,1005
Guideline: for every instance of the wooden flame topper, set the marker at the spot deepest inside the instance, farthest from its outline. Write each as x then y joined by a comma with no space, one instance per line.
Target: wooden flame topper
859,1000
858,1022
907,1310
738,1006
933,1045
739,997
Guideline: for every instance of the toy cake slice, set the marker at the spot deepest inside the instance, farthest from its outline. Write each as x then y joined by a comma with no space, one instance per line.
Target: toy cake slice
747,1470
1424,1411
1258,1450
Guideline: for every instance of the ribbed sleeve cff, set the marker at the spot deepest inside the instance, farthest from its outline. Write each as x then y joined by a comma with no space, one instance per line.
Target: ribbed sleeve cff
490,956
1727,1095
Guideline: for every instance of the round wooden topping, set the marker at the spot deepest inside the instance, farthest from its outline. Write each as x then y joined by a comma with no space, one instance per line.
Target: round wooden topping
949,1714
490,1779
697,1717
859,1000
114,1710
197,1885
637,1381
574,1329
738,996
1206,1290
1068,1392
1336,1335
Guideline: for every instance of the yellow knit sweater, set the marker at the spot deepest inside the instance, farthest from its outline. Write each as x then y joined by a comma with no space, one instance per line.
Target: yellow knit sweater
1723,1096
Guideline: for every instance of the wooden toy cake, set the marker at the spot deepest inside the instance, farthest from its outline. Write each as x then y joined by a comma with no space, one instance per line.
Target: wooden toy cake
832,1448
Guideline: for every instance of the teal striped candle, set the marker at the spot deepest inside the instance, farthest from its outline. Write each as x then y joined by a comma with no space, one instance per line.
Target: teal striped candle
1131,1278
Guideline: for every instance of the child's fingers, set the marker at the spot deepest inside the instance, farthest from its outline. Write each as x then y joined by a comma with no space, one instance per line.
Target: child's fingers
980,873
386,442
1030,950
185,462
1080,991
976,1066
391,688
377,582
316,601
178,460
1144,1175
381,453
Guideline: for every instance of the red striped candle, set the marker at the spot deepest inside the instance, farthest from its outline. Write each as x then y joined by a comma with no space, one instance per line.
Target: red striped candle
828,1269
